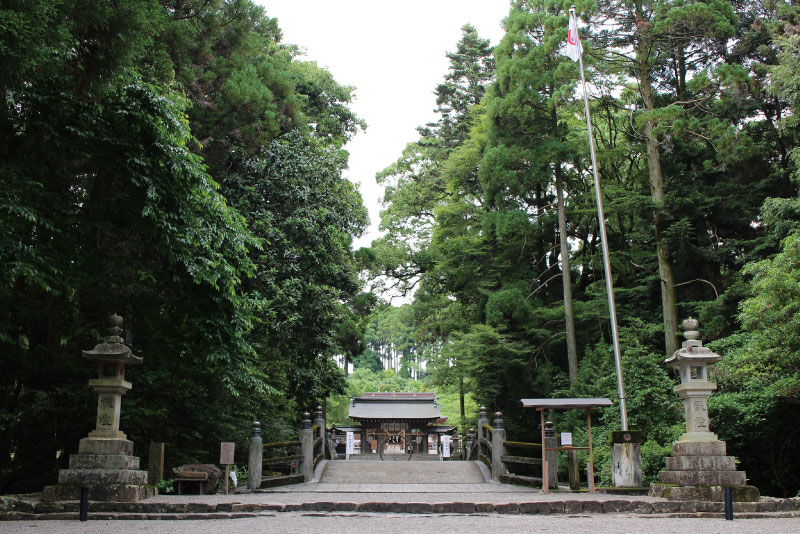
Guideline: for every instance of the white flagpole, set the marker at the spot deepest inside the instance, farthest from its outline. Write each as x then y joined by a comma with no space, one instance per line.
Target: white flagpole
612,309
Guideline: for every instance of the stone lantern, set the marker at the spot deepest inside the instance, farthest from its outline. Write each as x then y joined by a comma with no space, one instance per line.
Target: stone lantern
692,361
699,468
111,356
105,463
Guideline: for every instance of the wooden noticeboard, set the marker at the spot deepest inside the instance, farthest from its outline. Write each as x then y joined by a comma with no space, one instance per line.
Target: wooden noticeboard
226,452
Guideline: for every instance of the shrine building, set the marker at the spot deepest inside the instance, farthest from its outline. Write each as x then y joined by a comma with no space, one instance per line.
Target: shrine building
395,423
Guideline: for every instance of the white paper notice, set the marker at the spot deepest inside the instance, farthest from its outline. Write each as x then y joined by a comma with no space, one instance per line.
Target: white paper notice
350,444
445,446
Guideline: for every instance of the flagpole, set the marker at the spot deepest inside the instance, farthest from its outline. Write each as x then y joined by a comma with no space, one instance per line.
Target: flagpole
612,309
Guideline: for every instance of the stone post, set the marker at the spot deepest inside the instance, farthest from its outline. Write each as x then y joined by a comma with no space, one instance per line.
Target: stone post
469,442
331,454
319,419
155,464
498,448
255,460
483,419
550,441
307,448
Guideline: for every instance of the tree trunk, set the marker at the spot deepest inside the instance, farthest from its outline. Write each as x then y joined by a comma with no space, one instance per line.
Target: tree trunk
566,277
669,303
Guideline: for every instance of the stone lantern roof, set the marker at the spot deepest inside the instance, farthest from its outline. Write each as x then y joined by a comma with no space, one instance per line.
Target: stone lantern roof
692,350
113,348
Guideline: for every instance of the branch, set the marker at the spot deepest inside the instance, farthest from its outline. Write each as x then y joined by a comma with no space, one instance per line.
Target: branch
700,280
542,285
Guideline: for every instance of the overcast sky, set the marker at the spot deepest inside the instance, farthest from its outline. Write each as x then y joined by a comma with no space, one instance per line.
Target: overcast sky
393,53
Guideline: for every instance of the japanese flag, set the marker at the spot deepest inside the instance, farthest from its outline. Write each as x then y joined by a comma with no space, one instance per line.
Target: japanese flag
574,46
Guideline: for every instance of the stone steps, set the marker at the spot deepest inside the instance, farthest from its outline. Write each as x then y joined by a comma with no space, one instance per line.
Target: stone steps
371,472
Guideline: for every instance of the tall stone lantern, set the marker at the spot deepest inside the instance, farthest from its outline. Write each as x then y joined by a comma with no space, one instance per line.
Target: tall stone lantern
105,463
699,469
692,361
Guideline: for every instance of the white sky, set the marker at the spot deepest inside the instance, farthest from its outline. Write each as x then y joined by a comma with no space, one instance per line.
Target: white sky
394,55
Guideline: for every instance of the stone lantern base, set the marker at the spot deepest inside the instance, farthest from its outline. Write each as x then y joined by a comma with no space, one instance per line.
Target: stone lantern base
700,471
108,468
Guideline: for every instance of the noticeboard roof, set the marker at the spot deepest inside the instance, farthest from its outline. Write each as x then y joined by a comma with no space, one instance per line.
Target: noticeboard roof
565,404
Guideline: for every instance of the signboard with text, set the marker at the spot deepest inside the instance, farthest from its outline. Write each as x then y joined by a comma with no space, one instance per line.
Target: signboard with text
226,452
445,446
350,444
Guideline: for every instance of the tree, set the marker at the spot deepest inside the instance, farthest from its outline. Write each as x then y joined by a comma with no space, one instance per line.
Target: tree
533,83
109,205
414,186
307,268
667,42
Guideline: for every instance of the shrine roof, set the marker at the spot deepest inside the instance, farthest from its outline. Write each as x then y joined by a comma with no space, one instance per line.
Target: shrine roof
395,406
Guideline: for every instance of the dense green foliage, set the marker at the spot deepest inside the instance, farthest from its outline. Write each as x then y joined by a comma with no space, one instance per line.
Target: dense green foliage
176,163
694,108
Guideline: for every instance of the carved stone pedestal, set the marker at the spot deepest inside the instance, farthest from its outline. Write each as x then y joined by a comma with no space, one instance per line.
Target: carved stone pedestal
108,468
699,471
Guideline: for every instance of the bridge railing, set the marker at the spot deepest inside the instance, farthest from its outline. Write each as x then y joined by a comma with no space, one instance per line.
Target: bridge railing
299,456
487,446
525,465
509,461
281,456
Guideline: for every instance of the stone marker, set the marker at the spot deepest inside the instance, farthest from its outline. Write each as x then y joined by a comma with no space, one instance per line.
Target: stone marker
699,464
105,463
155,463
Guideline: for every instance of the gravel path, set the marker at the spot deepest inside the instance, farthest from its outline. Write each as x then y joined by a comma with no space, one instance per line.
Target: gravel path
394,524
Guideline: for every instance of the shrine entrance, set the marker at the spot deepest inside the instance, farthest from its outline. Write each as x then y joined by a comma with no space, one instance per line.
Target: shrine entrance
394,425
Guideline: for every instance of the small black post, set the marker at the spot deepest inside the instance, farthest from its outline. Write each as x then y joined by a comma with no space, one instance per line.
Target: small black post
84,504
728,504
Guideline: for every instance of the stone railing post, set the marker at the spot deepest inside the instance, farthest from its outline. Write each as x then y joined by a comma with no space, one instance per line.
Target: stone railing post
498,449
482,420
255,459
307,448
470,440
319,419
331,454
551,442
